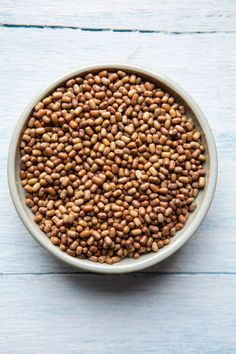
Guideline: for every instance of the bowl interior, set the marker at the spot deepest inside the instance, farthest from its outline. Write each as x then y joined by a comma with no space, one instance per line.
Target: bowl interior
126,264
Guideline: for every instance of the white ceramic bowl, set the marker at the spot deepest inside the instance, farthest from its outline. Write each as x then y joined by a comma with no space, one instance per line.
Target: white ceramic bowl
203,200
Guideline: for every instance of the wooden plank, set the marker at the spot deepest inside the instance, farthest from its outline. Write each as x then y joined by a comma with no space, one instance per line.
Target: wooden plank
154,15
128,314
203,64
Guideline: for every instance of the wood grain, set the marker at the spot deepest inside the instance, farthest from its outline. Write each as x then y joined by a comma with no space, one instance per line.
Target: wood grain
127,314
203,64
187,303
148,15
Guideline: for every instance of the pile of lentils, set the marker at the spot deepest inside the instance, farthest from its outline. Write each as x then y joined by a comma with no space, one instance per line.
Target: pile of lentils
111,166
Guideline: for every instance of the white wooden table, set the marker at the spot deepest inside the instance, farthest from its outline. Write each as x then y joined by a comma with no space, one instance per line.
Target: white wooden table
187,304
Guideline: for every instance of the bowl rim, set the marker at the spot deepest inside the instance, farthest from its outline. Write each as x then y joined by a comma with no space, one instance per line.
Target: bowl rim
142,262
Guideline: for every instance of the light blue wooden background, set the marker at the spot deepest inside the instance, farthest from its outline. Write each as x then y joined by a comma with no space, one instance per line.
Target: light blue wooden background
187,303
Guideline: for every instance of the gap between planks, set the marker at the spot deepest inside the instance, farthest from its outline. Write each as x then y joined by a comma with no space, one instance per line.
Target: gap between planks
142,273
121,30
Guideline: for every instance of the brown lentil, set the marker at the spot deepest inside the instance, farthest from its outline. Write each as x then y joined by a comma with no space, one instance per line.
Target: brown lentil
111,166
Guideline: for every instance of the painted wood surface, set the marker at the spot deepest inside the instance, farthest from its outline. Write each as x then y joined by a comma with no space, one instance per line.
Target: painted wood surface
123,314
149,15
187,303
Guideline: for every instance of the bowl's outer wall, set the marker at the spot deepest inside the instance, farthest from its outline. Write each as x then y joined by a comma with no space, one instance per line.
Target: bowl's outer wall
203,199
